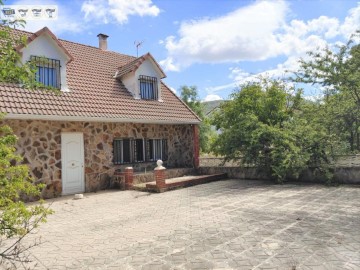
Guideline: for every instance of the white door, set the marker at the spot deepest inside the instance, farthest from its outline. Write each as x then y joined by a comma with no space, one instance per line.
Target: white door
72,163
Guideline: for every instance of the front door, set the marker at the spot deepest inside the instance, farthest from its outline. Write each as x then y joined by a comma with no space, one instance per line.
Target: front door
72,160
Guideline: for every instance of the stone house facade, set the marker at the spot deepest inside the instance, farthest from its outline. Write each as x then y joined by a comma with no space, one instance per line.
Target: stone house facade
113,111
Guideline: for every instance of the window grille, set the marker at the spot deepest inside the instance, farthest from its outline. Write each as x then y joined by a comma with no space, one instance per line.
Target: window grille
139,150
47,71
122,152
148,87
157,149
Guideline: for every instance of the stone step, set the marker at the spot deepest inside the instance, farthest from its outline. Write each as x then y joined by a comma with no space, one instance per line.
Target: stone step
184,181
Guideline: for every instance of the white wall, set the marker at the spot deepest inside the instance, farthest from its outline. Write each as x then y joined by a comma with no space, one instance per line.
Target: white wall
129,81
45,46
147,68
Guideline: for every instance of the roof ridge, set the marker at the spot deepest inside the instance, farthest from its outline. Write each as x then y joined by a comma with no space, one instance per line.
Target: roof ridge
94,47
74,42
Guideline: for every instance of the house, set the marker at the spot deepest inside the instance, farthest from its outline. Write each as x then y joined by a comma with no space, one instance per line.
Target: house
113,111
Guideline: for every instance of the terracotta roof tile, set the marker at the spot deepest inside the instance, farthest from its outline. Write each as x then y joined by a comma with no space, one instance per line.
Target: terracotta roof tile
94,92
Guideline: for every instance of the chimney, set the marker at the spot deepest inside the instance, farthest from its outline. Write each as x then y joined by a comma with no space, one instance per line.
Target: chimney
102,41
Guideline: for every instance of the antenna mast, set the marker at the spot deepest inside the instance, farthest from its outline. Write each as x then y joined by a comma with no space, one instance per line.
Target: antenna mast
138,44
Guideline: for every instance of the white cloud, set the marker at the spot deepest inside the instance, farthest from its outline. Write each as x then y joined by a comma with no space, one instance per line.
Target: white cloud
173,90
236,36
212,97
169,64
213,89
294,40
64,23
256,32
351,23
322,26
105,11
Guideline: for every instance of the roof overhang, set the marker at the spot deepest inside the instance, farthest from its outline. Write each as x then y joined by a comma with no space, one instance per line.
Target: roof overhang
98,119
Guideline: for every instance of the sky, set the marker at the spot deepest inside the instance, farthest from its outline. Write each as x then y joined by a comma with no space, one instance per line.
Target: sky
215,45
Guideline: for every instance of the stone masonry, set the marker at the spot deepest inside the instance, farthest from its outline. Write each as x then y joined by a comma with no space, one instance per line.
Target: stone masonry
40,145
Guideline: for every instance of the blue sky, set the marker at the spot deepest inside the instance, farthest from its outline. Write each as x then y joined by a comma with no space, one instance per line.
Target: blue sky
214,45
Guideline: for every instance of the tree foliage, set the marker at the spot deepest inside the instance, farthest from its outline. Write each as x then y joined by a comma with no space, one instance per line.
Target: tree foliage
337,71
281,132
16,218
12,69
190,96
266,126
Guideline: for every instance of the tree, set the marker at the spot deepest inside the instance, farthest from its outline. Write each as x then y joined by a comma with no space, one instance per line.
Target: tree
190,96
338,73
12,69
264,125
17,219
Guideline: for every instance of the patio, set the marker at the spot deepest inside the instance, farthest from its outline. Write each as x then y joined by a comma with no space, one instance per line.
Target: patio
230,224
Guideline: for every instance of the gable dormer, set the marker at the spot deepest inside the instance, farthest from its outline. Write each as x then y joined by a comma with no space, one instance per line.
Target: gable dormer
49,56
142,78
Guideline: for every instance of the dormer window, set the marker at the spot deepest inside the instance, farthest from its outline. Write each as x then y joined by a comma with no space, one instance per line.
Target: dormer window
47,71
148,87
142,78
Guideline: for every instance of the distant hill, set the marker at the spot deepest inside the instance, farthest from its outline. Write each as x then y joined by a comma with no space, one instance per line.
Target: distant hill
210,106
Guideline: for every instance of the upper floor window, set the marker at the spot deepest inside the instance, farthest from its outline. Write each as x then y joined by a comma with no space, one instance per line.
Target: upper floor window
47,71
148,87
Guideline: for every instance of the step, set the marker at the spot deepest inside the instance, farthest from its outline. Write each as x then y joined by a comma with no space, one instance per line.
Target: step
185,181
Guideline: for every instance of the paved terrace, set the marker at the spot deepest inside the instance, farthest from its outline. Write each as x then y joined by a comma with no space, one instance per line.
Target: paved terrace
230,224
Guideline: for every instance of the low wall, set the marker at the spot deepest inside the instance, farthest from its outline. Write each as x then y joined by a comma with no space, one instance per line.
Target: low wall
343,175
169,173
233,172
346,170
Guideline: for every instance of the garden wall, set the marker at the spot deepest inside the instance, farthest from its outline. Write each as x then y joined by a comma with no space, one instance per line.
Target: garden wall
346,170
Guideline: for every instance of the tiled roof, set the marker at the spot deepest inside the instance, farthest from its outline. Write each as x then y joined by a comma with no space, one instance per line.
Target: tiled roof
135,64
95,93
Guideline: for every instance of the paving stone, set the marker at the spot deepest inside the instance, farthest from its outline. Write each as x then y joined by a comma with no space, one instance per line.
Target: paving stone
232,224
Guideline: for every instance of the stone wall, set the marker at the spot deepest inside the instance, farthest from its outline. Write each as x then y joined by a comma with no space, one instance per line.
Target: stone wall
40,145
249,173
346,170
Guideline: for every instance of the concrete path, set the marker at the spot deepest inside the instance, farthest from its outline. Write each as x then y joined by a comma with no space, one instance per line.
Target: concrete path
230,224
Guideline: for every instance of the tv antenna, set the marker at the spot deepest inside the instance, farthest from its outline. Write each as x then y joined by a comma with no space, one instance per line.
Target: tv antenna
138,44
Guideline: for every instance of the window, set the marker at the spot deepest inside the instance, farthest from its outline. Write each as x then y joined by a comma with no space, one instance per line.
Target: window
157,149
139,150
148,87
122,152
47,71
